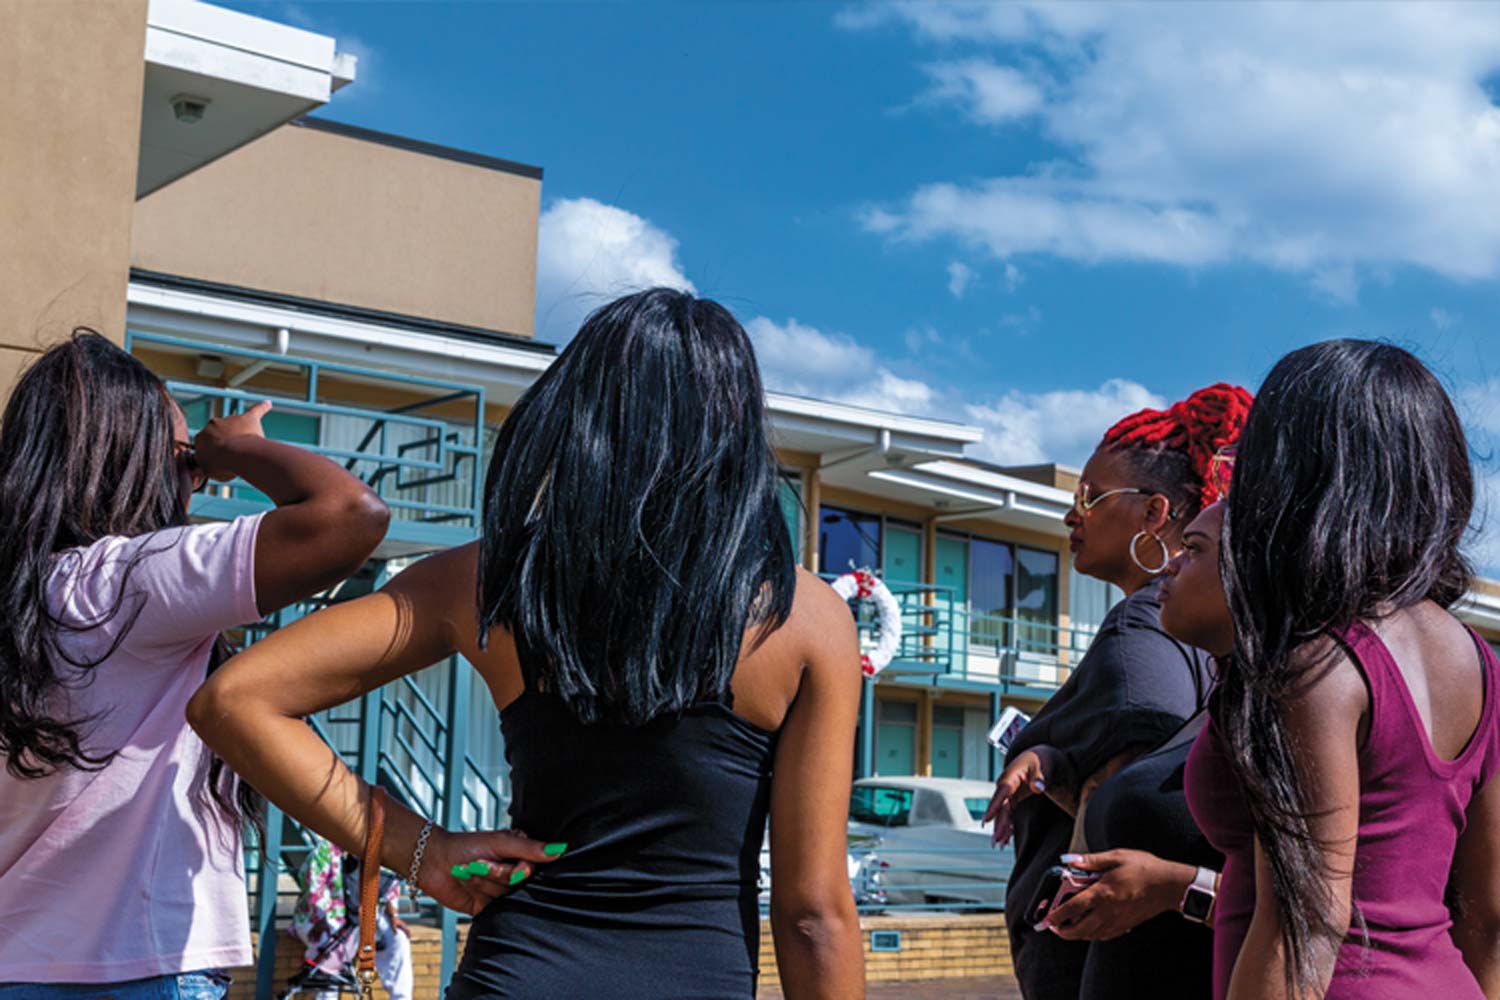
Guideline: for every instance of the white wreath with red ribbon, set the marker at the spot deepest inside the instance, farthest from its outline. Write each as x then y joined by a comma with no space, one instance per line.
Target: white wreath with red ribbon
866,586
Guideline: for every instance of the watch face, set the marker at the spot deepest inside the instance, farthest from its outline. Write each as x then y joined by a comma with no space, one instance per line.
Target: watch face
1197,903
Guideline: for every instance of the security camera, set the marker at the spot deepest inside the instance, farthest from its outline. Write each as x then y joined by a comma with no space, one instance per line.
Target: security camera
189,109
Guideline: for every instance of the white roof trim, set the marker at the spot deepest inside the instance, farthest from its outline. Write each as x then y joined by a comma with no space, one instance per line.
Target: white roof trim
896,423
227,45
990,479
359,333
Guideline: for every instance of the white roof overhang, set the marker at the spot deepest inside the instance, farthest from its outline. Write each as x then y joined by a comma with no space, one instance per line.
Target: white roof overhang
247,75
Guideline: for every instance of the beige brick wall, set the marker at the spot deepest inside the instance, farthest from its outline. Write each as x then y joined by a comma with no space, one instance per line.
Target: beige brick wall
933,946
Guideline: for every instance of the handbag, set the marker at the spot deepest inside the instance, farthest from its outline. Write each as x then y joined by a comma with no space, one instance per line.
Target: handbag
369,893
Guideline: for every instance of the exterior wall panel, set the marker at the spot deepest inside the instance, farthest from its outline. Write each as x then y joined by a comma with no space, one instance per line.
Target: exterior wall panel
70,118
319,215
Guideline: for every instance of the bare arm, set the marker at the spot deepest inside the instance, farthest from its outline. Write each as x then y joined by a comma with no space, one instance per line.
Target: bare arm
819,952
1476,878
1323,723
251,710
326,522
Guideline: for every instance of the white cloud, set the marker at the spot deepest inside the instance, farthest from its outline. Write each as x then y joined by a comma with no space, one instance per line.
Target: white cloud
959,277
1441,318
588,254
805,361
1013,277
1062,425
1326,140
990,94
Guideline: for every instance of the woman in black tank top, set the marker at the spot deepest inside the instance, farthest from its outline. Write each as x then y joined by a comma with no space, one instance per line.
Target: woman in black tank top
633,576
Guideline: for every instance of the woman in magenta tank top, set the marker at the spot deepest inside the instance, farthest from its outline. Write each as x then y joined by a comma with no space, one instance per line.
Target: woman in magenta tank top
1346,772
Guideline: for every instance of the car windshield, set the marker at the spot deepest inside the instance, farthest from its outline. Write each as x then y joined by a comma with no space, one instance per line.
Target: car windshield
976,807
879,805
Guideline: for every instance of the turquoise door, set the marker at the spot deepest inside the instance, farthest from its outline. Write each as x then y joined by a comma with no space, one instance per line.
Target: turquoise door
903,555
896,738
951,570
947,742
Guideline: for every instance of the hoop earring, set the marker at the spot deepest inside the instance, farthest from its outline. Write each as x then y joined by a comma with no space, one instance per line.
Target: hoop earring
1166,556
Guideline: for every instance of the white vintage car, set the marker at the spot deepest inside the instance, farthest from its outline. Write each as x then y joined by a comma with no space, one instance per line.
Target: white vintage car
932,850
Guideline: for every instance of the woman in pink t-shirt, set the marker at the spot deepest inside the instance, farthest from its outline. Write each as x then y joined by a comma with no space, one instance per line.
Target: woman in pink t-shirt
120,855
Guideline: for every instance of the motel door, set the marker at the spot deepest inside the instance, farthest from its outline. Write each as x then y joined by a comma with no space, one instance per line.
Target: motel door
947,742
896,738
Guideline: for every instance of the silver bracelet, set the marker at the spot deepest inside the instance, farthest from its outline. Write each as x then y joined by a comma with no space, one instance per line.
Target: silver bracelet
416,860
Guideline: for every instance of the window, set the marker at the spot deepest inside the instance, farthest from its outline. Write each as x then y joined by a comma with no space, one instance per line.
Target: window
990,566
847,539
931,810
880,805
1036,601
977,807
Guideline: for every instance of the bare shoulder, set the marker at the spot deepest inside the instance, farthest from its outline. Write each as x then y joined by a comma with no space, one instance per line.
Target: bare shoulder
820,623
1328,686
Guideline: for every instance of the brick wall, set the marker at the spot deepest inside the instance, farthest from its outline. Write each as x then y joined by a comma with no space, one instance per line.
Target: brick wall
933,946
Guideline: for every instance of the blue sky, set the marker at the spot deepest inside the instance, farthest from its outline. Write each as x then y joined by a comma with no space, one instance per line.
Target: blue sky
1028,217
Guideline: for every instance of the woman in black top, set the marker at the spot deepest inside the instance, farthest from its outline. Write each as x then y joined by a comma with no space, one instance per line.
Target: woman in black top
666,678
1137,685
1142,837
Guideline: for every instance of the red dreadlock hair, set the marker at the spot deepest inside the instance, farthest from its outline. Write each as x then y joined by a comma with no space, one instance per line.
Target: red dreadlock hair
1197,426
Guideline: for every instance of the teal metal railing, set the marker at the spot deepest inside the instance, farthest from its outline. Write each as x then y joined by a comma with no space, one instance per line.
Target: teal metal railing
946,640
424,462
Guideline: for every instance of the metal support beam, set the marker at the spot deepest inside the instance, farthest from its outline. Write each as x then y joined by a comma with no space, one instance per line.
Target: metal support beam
454,756
865,765
265,904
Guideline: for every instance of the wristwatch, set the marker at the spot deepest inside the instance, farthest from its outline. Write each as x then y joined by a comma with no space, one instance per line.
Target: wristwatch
1198,902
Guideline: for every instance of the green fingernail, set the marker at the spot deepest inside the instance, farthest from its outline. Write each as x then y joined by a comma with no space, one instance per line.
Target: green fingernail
553,850
478,868
518,876
460,872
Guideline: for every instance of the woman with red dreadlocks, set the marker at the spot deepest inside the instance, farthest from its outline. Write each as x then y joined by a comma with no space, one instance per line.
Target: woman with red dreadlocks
1151,475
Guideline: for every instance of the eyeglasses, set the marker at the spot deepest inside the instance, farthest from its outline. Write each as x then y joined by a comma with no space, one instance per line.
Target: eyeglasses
1221,469
188,457
1083,503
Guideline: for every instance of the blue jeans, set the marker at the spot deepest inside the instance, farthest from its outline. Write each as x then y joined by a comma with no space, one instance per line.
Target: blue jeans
183,986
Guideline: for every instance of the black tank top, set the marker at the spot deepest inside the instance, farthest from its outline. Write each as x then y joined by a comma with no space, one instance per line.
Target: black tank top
655,898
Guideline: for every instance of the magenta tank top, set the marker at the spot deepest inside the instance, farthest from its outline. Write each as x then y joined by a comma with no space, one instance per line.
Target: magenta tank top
1411,812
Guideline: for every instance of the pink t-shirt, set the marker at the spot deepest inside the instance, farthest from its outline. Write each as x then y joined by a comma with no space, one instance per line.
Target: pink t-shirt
124,872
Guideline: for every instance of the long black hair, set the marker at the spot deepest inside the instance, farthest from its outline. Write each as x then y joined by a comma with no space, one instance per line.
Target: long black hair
632,533
1352,495
86,452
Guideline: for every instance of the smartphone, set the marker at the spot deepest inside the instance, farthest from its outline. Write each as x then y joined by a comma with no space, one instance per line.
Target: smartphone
1060,883
1004,732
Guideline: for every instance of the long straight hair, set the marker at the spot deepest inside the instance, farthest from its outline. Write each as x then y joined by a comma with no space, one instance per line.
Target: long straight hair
86,452
1352,494
632,531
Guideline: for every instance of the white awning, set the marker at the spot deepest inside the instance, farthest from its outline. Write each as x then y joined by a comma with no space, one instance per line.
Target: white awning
216,79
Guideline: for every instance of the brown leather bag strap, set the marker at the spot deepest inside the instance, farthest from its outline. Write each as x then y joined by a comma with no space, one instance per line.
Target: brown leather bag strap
369,891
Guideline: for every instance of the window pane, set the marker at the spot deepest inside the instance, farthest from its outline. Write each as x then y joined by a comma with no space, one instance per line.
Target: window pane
846,538
898,711
948,715
990,588
883,806
989,594
1036,600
